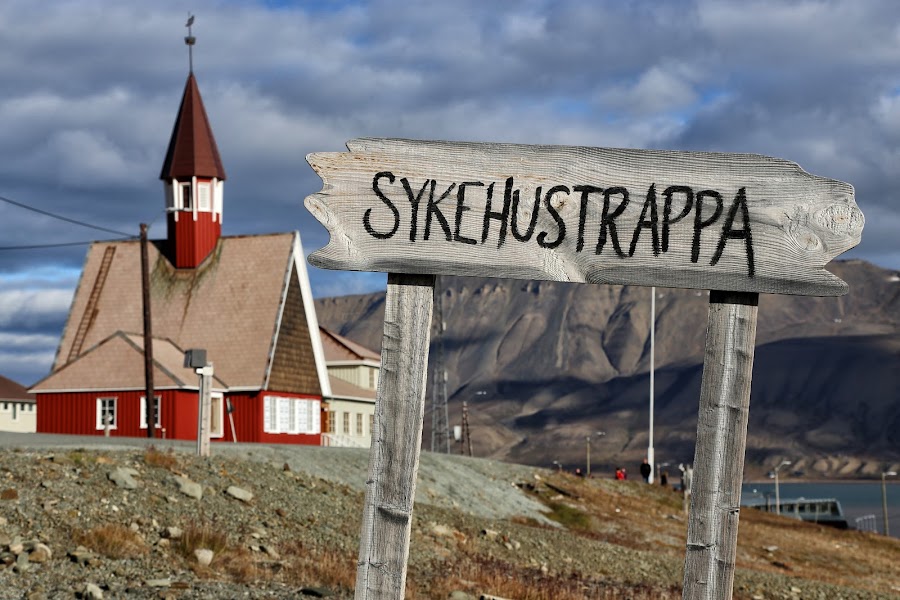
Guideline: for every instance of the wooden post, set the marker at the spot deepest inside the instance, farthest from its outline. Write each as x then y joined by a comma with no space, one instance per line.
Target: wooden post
721,445
149,394
204,409
394,457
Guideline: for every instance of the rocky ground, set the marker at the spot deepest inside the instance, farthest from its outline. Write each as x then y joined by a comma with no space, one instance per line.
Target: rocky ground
279,522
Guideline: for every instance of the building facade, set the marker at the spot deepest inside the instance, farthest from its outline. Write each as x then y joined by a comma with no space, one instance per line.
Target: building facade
246,300
353,373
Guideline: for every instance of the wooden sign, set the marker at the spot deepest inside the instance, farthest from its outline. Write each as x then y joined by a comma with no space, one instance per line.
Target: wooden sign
735,222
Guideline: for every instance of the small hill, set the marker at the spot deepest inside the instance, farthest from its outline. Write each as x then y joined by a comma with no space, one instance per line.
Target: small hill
91,520
543,364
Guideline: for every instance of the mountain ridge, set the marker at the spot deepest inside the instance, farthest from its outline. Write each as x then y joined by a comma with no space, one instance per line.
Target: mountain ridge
577,357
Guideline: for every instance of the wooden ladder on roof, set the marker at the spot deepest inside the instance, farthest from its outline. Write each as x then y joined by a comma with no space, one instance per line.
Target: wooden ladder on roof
90,311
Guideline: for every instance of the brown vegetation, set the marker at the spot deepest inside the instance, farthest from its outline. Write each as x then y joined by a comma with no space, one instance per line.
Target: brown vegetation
112,541
163,460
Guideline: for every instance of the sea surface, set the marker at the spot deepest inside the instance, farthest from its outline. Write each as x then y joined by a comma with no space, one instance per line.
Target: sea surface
858,499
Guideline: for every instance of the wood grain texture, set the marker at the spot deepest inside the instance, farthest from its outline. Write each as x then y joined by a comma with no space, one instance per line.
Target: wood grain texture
738,222
396,439
721,445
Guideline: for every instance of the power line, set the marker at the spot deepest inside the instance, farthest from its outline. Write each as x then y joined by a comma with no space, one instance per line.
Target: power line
66,219
62,245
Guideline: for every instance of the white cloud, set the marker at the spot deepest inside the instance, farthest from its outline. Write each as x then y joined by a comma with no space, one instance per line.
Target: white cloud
20,307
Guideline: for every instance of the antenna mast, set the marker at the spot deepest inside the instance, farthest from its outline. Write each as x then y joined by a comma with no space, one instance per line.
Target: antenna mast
440,426
190,40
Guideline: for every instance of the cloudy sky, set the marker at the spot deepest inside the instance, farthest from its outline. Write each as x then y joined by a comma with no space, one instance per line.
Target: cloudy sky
91,89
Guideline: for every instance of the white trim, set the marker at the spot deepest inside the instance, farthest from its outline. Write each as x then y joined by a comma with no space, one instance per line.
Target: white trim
312,322
144,412
194,199
98,415
284,415
204,186
106,389
366,362
352,399
214,396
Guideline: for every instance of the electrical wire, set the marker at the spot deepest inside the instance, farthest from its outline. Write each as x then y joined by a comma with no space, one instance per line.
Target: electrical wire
66,219
64,244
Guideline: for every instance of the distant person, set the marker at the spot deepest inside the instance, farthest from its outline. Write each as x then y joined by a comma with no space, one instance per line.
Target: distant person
664,479
646,470
620,473
579,473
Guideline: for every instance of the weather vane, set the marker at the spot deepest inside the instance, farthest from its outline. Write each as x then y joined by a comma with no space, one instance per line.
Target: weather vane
190,40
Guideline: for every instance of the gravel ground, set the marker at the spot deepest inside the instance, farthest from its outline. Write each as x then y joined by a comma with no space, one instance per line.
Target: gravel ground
479,527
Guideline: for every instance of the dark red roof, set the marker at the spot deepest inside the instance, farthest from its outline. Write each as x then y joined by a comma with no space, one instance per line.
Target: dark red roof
10,390
192,149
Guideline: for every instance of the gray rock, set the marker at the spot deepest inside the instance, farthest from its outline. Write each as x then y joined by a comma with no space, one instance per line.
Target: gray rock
188,487
41,553
159,583
93,592
173,533
122,478
81,555
204,556
458,595
22,563
241,494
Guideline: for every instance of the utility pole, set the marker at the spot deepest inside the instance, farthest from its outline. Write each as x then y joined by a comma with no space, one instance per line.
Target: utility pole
149,394
467,437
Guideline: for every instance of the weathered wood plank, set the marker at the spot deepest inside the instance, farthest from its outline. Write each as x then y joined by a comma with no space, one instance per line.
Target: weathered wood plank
396,441
700,220
721,445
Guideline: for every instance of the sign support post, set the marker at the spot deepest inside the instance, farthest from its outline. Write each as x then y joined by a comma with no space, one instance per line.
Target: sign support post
721,445
736,224
397,439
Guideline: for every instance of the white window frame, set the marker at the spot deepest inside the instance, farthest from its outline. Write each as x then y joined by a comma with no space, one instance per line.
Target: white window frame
144,412
217,409
181,203
101,403
282,414
204,197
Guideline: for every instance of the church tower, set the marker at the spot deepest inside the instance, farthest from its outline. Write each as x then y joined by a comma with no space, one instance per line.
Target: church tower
193,176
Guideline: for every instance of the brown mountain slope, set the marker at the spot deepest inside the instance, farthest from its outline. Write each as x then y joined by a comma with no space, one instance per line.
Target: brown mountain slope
557,361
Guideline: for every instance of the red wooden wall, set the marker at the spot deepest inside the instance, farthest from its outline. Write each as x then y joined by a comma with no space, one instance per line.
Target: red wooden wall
76,413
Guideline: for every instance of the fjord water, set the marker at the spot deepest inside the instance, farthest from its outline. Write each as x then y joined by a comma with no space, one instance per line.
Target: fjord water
857,498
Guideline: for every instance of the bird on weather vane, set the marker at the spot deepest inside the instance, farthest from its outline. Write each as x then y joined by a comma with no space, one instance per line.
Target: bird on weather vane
190,40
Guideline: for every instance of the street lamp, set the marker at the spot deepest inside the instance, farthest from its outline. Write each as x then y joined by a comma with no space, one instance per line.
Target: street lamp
783,463
588,443
887,530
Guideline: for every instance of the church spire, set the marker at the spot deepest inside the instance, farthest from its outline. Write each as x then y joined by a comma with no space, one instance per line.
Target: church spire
193,174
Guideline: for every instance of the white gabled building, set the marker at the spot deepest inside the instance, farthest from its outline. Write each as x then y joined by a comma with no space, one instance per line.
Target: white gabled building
353,373
18,408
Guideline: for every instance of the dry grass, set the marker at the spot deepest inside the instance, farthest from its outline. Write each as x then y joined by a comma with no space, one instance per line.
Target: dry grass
205,536
319,566
112,541
237,563
162,460
497,578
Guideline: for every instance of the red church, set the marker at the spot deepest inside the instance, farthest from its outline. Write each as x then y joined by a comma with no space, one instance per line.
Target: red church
246,300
